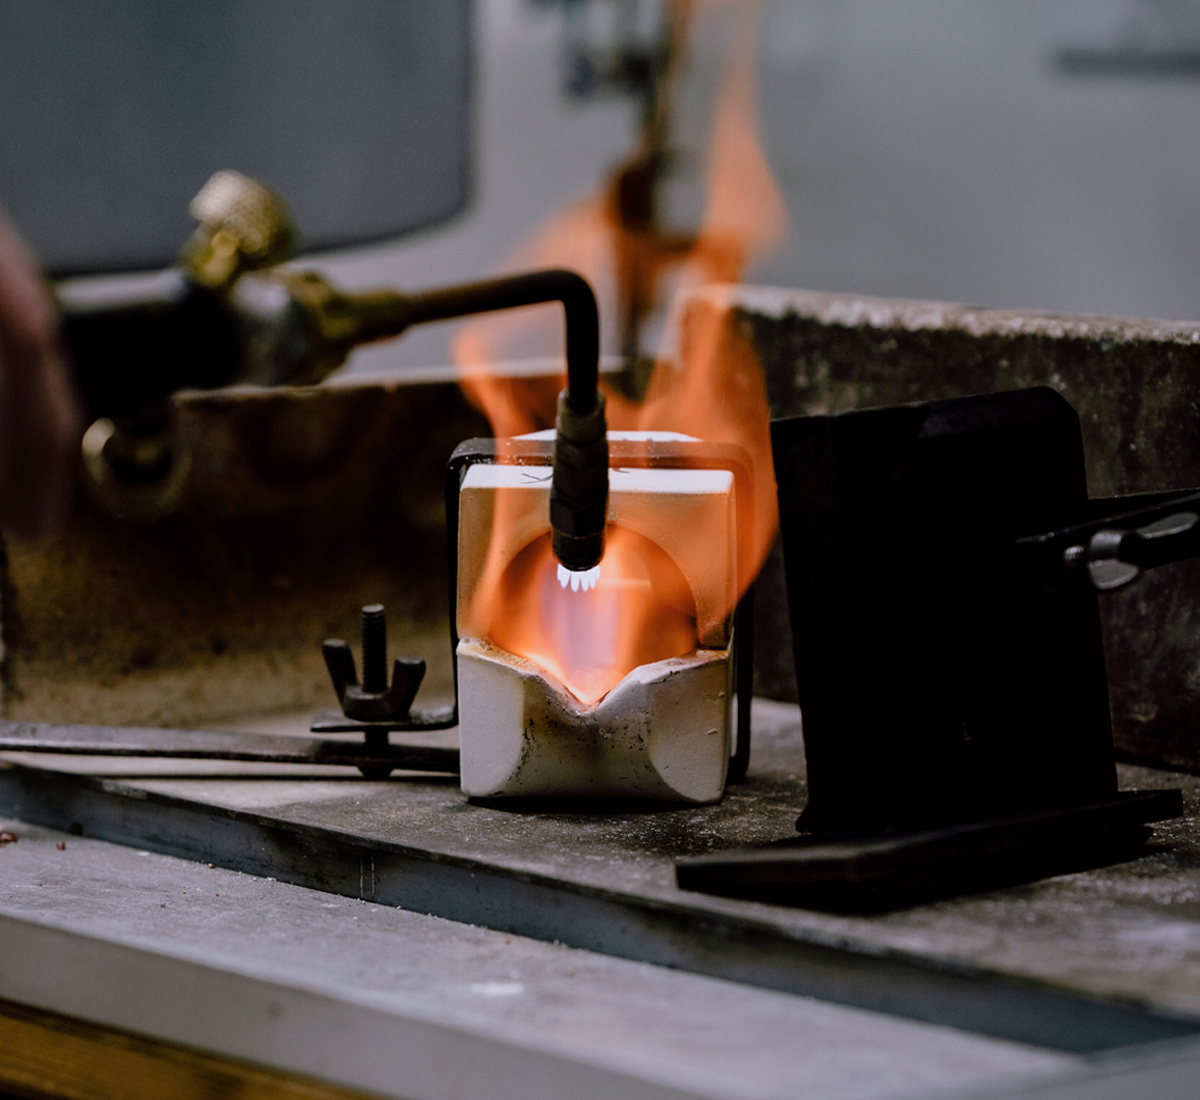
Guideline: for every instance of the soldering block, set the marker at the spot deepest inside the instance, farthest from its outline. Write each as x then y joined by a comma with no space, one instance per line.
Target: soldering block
662,733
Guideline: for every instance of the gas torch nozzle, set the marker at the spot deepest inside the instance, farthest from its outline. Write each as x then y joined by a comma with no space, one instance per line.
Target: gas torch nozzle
579,489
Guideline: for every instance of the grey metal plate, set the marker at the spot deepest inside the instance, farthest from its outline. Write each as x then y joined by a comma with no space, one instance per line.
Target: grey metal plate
1083,962
400,1004
114,113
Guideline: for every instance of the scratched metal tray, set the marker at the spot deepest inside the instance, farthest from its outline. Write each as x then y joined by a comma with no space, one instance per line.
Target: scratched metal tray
1073,963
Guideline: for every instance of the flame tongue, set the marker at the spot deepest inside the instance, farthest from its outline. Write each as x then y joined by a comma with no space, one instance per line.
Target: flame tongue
591,629
639,610
586,579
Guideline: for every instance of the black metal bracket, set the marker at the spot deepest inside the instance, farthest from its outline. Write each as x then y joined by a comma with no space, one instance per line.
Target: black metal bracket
950,663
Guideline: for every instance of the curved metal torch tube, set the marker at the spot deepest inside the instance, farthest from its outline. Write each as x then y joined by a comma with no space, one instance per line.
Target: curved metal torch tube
511,292
579,490
131,348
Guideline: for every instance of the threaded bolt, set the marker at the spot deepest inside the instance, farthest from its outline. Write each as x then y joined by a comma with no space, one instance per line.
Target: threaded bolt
1073,556
374,648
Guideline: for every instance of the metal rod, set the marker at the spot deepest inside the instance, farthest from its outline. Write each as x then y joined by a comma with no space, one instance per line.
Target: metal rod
532,288
264,748
579,488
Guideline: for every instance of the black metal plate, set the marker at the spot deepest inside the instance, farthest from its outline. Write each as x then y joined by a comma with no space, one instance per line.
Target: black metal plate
887,871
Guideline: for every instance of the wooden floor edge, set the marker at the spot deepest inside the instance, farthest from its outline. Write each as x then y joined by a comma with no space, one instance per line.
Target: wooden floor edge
47,1056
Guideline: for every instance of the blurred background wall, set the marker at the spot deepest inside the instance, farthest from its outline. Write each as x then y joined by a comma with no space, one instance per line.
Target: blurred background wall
1032,153
1029,153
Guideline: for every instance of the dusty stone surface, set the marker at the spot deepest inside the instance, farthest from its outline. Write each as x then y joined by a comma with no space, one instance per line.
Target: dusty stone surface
1130,380
408,1005
303,505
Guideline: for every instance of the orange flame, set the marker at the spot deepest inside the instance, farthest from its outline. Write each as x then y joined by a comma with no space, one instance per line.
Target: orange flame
641,610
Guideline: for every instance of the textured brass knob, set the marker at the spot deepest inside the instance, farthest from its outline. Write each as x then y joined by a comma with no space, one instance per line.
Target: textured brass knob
244,226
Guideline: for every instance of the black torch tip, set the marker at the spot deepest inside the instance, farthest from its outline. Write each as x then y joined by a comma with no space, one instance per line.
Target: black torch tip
579,489
578,554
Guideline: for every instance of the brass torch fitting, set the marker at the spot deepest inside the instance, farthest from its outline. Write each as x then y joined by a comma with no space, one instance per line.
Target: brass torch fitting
243,226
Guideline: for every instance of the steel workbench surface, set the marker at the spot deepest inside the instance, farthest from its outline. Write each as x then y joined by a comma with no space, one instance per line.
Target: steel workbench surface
393,939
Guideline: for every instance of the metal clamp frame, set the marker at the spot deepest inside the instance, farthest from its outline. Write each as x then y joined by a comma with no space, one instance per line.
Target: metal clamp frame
663,454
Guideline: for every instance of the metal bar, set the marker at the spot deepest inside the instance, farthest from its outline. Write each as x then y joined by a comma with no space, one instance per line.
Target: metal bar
216,745
1053,544
429,718
882,871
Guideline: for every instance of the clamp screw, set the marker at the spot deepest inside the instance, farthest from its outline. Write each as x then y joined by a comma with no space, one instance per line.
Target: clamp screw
244,226
1072,556
374,648
373,701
